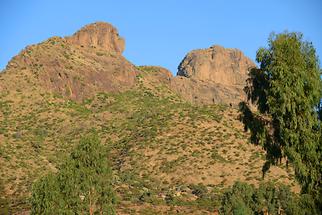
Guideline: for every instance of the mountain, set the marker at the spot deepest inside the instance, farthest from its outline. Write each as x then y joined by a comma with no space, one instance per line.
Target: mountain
175,143
76,67
91,61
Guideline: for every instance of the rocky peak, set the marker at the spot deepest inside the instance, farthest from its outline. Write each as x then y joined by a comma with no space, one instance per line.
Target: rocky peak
99,35
76,67
213,75
216,64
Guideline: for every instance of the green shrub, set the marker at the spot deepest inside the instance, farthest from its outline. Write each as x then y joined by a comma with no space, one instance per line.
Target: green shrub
238,199
82,185
242,198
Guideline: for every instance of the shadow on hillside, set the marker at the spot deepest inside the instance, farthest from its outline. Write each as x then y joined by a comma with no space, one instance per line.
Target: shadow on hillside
260,135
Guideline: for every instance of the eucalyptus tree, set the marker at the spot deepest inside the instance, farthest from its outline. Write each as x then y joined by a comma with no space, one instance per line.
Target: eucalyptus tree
286,90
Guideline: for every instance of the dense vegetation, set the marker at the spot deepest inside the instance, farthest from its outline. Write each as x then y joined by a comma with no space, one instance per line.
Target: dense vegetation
268,198
286,88
83,185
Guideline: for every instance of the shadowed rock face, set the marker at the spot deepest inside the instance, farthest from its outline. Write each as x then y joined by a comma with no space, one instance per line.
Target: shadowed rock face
100,35
213,75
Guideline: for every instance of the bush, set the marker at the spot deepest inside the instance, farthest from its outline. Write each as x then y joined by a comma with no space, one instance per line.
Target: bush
238,199
246,199
199,190
82,185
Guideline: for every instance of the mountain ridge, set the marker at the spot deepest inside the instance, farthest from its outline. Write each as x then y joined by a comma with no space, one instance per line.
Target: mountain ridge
93,55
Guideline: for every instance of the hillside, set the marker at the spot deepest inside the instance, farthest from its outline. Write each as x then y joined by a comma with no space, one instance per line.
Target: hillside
168,153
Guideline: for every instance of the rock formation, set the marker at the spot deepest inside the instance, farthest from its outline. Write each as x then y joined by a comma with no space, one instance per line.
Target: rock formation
213,75
216,64
91,61
76,67
99,35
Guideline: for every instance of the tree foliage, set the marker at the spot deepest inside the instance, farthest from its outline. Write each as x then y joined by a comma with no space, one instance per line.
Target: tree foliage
286,90
83,184
245,199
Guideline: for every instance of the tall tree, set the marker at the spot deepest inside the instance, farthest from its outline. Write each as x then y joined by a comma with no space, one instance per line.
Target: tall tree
286,88
83,184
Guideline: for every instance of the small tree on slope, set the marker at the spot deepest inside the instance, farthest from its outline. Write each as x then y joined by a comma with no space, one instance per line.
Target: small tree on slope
82,185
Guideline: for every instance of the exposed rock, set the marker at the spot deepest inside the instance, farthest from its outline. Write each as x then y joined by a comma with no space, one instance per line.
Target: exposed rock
213,75
91,61
100,35
201,92
216,64
72,66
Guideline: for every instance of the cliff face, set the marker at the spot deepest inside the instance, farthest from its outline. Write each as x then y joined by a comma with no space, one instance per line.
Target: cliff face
213,75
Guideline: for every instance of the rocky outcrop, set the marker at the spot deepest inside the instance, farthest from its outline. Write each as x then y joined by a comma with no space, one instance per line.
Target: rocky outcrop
76,67
216,64
99,35
213,75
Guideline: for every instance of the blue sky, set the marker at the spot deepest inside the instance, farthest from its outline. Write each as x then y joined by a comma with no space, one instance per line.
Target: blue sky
161,32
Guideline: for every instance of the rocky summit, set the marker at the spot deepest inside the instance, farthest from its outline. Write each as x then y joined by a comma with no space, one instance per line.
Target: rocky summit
217,65
213,75
75,67
99,35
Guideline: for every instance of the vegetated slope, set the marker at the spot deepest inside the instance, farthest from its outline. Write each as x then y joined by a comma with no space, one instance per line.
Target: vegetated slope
165,151
161,146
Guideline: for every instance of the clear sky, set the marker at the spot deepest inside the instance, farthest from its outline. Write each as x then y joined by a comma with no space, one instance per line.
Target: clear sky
161,32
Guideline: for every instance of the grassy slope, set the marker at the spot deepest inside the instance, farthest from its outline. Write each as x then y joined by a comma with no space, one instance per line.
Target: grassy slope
166,154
